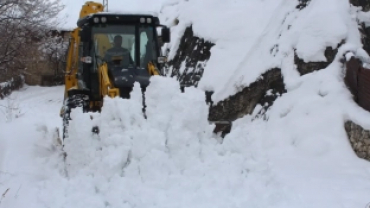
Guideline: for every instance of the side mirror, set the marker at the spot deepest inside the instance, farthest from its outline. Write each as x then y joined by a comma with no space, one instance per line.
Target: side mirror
166,36
85,34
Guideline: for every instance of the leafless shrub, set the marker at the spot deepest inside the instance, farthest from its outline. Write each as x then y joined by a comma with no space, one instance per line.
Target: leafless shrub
24,24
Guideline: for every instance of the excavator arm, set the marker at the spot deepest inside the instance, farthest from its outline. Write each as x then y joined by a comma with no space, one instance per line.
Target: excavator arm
152,69
72,62
106,84
91,7
73,49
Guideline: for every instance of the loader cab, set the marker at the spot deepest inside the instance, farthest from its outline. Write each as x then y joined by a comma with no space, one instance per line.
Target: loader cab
126,43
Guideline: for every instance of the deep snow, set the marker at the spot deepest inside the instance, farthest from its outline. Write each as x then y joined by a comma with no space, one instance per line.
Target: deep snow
298,157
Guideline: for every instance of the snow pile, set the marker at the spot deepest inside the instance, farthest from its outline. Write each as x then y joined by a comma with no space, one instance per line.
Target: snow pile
168,160
172,159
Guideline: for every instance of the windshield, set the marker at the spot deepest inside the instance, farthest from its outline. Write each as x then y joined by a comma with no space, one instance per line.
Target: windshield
114,43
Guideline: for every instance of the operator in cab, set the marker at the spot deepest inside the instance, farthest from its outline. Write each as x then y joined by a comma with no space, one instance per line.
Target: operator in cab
118,53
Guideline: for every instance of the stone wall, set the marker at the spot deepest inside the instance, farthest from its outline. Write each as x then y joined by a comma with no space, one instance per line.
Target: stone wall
357,135
34,70
359,138
42,73
305,68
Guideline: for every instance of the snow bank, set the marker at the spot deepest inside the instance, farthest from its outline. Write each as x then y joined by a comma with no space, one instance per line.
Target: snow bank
169,160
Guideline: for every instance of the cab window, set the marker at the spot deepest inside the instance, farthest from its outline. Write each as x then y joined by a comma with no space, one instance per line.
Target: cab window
115,41
147,46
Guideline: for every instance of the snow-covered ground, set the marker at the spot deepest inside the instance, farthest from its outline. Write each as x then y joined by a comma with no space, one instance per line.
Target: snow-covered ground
299,157
33,118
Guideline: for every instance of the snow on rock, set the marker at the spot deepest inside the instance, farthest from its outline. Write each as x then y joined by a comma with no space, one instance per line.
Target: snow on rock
191,57
252,37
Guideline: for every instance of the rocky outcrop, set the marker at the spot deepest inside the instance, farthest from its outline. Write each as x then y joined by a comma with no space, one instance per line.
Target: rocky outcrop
264,91
305,68
302,4
359,139
365,4
365,31
194,52
191,58
365,37
188,66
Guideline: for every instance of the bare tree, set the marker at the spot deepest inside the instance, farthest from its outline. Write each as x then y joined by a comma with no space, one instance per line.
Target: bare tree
54,50
23,25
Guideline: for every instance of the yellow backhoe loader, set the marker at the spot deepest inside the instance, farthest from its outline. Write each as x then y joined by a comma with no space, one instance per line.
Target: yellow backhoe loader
107,54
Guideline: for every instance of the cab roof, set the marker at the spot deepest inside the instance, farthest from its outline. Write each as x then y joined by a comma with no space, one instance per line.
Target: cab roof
119,18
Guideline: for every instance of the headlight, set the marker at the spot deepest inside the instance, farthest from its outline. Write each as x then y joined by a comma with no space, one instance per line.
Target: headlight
149,20
103,19
142,20
96,20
